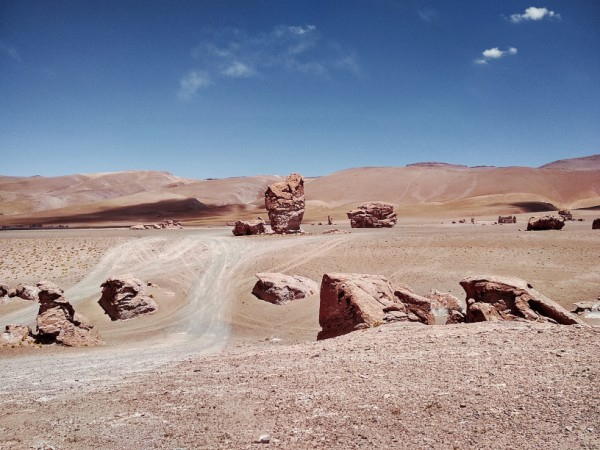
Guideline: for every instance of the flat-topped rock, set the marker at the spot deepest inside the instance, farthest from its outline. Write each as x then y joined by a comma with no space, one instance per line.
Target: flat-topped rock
545,223
279,289
373,215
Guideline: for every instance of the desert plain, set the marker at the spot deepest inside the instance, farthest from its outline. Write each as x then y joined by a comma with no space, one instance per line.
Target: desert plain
216,367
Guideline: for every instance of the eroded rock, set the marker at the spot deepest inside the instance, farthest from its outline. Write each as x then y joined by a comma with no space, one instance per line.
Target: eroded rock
545,223
285,204
247,228
492,298
125,298
4,289
596,224
26,292
58,322
373,215
280,289
416,304
17,335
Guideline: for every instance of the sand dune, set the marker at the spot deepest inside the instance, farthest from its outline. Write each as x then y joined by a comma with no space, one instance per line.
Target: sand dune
417,190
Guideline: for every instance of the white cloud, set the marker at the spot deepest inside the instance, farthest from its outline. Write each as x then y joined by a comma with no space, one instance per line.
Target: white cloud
238,70
427,15
191,83
10,51
234,53
533,13
495,53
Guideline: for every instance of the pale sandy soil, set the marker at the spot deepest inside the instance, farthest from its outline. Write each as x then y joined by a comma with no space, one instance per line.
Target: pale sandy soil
215,366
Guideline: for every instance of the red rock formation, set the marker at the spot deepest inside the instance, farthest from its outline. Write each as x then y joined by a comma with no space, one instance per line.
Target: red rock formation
58,322
373,215
285,204
279,289
125,298
545,223
246,228
505,298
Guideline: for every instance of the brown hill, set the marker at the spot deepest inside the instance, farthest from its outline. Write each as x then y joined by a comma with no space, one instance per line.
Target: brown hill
418,190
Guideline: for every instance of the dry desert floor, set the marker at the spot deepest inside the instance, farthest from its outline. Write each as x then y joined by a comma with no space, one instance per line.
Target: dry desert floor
217,368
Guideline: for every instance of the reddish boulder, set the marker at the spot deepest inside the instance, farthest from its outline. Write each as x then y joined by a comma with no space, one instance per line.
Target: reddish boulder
16,335
247,228
416,304
125,298
446,305
26,292
505,298
279,289
351,301
285,204
596,224
545,223
58,322
373,215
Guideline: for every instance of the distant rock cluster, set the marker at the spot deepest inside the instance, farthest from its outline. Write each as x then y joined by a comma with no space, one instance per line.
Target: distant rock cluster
164,225
373,215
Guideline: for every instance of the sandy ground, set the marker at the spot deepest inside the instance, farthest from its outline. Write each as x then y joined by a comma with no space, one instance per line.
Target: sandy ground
215,366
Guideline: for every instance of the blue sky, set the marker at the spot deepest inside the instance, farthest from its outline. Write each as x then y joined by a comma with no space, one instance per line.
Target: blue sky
225,88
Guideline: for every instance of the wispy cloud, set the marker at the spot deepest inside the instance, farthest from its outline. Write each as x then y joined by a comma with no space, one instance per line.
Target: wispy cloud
427,15
494,53
236,54
535,14
10,51
191,83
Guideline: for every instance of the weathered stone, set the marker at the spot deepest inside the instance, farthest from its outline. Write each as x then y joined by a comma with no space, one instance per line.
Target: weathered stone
139,226
445,300
124,298
285,204
455,317
565,214
545,223
279,289
351,301
416,304
58,322
511,299
15,334
596,224
507,219
26,292
373,215
246,228
585,307
4,289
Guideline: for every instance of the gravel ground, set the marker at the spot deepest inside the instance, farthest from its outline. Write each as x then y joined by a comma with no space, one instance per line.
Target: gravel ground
451,387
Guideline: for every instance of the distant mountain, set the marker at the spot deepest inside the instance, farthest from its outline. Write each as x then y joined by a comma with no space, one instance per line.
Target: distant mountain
422,189
584,163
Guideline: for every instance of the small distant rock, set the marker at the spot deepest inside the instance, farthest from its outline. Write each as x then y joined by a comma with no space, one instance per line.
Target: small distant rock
545,223
58,322
280,289
373,215
26,292
124,298
263,439
596,224
249,228
336,231
17,335
4,289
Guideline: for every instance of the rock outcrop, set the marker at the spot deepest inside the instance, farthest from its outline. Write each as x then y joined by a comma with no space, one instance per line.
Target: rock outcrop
17,335
285,204
26,292
125,298
58,322
280,289
373,215
545,223
247,228
596,224
351,301
492,298
415,304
